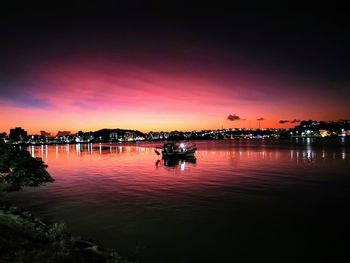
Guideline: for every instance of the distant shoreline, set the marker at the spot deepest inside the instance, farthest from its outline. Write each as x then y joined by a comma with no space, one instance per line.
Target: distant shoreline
206,139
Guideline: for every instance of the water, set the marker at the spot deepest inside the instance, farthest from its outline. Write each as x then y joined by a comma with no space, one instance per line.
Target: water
284,200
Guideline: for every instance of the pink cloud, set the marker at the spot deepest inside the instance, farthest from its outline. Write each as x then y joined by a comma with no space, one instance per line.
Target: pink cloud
95,93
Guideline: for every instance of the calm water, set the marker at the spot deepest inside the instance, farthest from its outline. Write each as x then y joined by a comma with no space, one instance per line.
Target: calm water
237,200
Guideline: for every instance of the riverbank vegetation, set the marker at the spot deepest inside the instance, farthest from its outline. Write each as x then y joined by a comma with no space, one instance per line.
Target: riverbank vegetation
18,168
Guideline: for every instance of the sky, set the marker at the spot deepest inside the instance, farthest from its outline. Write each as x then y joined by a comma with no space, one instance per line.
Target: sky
155,67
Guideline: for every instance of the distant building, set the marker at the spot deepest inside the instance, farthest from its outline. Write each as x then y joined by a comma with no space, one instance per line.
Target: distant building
3,136
63,133
113,136
324,133
44,133
18,134
154,135
129,136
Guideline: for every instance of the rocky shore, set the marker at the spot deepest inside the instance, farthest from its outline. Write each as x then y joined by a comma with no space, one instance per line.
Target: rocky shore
26,238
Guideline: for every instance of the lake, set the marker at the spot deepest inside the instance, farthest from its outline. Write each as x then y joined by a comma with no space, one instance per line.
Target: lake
237,200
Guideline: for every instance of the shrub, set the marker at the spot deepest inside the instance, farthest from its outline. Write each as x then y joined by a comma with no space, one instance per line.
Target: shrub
20,168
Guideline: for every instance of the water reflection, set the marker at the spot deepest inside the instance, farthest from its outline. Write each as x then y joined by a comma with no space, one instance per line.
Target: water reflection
176,163
306,154
237,190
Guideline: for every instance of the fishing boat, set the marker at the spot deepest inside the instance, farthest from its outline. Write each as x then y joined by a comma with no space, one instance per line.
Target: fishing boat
172,149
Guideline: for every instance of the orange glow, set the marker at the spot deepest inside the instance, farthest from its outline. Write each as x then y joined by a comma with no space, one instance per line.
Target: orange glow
95,94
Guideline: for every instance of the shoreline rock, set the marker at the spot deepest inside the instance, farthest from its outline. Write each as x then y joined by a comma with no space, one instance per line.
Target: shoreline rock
26,238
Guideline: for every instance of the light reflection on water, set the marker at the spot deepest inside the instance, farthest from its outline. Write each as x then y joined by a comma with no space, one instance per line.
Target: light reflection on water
241,195
306,154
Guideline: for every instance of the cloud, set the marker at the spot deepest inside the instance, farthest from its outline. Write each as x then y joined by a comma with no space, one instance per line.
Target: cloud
289,121
21,94
260,119
23,101
233,117
284,121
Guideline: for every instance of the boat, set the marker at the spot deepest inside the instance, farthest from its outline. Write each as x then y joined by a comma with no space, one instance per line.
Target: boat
172,149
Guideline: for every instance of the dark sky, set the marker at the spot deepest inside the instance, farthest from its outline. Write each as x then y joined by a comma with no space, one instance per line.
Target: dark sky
314,38
299,43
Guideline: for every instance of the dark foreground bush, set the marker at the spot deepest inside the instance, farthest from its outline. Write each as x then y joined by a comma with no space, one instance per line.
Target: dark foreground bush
18,168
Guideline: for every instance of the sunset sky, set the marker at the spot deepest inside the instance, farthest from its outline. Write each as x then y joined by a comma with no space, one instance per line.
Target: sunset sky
165,68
